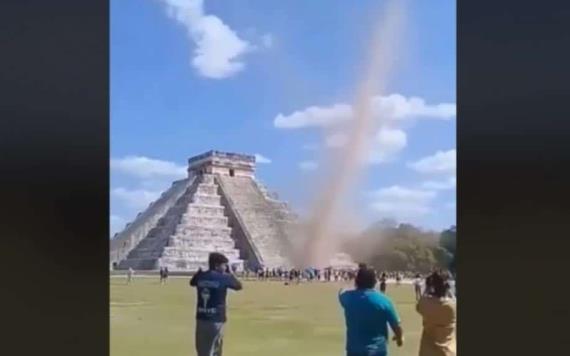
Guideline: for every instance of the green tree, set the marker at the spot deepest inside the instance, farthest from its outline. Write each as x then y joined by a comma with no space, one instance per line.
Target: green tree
388,246
448,242
448,239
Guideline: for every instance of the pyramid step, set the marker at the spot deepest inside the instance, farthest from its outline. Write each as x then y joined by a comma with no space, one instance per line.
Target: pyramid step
175,239
199,250
198,230
206,199
217,221
204,236
201,246
204,210
207,189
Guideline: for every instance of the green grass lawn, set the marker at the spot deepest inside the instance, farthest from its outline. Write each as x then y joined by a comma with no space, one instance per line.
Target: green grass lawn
265,318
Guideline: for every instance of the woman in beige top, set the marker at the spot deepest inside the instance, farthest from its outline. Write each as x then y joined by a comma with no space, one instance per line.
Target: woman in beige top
439,315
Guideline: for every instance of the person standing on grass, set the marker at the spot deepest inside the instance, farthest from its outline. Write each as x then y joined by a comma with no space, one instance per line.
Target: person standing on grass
383,279
130,275
212,287
452,292
367,315
438,312
418,286
165,272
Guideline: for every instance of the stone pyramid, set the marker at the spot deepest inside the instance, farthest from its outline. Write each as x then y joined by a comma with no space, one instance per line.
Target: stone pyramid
219,207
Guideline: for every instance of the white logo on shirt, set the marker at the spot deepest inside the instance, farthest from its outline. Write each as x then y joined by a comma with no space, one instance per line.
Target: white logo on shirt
205,294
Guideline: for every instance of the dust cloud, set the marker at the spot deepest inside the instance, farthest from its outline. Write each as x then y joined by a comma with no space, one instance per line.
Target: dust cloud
321,235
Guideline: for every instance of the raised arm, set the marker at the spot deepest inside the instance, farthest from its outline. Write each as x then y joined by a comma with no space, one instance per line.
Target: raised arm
194,279
233,282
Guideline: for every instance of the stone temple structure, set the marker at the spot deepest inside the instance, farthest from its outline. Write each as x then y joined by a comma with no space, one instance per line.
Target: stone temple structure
219,207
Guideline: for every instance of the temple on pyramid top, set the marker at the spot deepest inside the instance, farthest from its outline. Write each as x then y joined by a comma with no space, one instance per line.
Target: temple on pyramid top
220,206
223,163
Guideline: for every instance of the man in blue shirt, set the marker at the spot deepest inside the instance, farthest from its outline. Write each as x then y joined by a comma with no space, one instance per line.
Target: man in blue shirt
212,287
368,313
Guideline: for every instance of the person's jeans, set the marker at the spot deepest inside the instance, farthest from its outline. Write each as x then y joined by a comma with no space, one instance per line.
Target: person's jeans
209,338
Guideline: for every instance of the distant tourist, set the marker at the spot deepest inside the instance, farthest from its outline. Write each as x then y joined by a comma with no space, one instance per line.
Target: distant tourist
428,288
439,314
383,280
212,287
398,279
449,284
452,291
130,275
163,275
367,315
418,286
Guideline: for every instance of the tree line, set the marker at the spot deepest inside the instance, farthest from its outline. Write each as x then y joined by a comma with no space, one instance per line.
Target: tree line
391,246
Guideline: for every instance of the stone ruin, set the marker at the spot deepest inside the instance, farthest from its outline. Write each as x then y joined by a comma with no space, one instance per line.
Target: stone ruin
219,207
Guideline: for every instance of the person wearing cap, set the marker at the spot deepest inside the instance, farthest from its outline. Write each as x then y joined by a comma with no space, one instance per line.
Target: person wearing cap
212,287
368,313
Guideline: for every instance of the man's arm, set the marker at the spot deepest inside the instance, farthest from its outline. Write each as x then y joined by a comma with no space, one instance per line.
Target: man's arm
194,279
395,325
341,293
398,335
233,282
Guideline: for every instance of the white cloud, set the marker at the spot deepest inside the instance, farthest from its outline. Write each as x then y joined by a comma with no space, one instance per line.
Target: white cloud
388,143
442,162
390,108
314,116
261,159
402,203
402,193
137,199
219,51
308,165
446,184
144,167
399,107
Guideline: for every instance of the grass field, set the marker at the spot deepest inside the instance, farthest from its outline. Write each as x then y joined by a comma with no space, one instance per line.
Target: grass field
266,318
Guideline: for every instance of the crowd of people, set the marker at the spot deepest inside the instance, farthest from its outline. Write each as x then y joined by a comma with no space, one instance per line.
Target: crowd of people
295,276
368,312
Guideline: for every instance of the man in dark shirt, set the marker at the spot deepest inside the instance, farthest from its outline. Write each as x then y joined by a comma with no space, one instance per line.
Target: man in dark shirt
212,287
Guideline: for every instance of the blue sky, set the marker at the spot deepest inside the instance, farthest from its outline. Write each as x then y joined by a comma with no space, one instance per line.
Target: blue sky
188,76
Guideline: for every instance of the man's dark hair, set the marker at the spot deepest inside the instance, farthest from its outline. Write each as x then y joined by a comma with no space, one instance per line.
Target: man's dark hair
215,259
438,284
365,279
